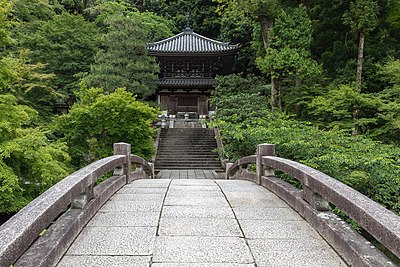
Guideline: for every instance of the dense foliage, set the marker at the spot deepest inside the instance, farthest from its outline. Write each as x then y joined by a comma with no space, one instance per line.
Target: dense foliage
29,162
246,120
45,49
329,69
99,120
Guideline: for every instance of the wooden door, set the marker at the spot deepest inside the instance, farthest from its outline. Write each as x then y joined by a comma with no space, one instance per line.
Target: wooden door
202,105
164,102
173,105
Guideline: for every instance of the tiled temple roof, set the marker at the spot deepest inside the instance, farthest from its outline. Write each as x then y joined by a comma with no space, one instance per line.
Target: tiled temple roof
187,82
191,43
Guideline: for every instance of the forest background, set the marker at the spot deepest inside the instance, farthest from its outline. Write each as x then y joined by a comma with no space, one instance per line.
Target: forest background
320,79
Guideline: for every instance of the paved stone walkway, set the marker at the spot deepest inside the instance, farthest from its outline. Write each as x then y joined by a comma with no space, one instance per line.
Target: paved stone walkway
187,174
198,223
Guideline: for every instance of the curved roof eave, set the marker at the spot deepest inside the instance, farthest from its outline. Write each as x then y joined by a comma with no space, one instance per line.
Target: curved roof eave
189,42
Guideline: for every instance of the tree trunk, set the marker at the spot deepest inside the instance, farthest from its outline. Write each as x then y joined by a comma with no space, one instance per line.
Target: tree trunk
266,26
360,60
276,102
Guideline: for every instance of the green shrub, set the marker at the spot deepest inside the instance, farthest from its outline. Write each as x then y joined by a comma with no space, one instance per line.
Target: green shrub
99,120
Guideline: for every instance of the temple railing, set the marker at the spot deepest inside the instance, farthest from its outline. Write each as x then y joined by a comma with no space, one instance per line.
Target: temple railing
40,233
313,202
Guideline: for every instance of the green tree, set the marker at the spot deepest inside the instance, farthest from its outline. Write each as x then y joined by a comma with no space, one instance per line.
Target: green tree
33,10
75,6
29,162
66,44
123,59
264,11
98,120
336,107
5,24
27,82
288,54
362,17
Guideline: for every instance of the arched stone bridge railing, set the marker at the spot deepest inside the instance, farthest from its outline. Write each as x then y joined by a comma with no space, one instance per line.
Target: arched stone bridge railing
313,201
64,209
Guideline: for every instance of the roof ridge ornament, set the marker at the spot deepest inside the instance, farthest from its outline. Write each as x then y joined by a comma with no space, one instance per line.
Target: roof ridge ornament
188,23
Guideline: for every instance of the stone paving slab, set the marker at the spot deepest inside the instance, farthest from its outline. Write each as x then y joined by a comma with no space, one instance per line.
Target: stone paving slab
196,212
192,182
264,213
197,223
202,249
194,188
298,252
277,229
133,206
149,183
102,261
196,201
243,194
256,202
142,190
133,241
194,193
133,219
187,174
177,264
199,227
137,197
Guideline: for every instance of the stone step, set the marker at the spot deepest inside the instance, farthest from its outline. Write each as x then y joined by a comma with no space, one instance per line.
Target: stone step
188,148
187,153
189,143
186,166
186,138
192,168
180,161
192,157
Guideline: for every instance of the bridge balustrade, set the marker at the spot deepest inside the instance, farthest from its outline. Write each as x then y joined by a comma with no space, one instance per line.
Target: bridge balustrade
40,233
314,201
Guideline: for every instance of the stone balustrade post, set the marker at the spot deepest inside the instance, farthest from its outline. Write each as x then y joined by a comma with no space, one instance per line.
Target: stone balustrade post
171,121
152,170
124,149
228,165
264,150
81,201
163,122
315,200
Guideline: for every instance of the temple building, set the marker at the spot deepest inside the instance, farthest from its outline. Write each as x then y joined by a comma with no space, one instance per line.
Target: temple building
189,64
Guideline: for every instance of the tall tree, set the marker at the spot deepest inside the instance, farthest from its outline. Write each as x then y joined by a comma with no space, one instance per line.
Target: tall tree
67,45
264,11
362,17
288,54
123,59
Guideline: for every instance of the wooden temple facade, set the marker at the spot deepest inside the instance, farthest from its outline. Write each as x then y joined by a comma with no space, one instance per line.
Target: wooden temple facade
189,64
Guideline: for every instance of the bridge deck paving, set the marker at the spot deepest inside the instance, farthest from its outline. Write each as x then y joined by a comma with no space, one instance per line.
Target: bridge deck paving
198,222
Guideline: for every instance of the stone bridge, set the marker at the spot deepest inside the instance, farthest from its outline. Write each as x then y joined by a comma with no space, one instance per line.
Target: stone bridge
251,218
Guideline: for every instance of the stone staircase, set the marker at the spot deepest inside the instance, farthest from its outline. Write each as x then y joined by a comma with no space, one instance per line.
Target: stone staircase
187,148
